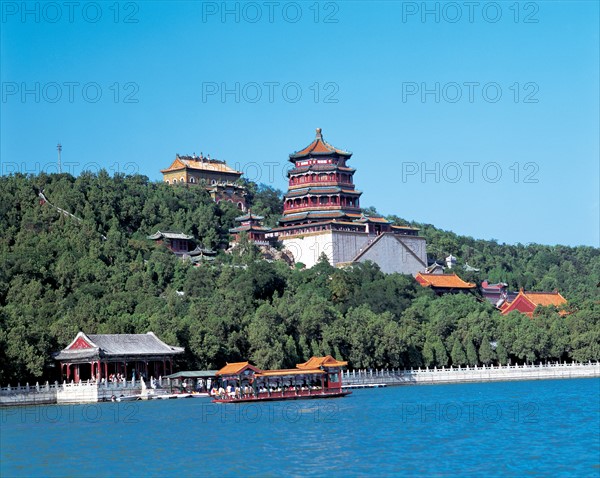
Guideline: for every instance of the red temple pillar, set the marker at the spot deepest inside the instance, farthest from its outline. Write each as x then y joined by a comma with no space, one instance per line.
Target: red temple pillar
76,372
68,365
106,370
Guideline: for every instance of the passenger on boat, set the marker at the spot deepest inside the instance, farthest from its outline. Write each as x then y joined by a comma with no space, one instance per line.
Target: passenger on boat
230,391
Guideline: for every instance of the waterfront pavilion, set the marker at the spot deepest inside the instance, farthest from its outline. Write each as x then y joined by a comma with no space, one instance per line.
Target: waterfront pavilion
97,356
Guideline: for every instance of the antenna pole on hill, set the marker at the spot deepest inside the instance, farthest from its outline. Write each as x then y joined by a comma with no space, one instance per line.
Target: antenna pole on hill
59,149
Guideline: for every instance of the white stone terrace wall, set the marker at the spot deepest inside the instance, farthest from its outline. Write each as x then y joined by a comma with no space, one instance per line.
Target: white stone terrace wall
309,247
82,392
28,395
401,254
471,374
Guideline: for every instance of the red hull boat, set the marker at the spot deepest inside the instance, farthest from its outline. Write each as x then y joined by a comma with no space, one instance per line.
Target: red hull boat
319,377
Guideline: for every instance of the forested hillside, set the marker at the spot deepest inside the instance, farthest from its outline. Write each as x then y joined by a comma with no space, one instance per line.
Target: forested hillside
100,274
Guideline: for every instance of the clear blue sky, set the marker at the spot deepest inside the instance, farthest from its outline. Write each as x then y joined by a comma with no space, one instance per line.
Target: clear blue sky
369,63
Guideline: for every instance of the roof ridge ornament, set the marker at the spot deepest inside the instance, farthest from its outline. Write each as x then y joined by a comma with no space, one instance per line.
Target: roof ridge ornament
319,134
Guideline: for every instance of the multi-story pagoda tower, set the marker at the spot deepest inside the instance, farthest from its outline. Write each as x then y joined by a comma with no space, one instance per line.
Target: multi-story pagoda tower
322,215
321,186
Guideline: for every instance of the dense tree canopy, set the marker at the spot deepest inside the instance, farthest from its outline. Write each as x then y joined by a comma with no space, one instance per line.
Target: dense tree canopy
99,273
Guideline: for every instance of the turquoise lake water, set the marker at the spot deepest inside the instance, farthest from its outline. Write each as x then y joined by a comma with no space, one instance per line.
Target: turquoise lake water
538,428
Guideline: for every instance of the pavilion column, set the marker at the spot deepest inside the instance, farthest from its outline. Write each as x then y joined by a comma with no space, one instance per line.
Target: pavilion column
76,373
68,371
164,369
106,370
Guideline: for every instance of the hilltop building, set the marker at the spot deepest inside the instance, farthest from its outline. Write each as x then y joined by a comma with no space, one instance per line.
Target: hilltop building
218,178
176,242
526,302
183,246
497,294
444,283
252,225
322,215
434,268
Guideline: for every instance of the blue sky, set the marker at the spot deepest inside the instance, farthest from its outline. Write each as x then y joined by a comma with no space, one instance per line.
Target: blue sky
484,122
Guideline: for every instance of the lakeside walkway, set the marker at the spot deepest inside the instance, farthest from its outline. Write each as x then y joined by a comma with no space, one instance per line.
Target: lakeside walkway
91,392
498,373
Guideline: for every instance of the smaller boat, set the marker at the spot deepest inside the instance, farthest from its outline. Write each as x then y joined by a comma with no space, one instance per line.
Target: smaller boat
172,396
200,394
122,398
366,385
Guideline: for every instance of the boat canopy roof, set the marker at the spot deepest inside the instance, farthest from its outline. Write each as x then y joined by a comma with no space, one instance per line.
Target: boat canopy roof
314,365
237,368
193,374
316,362
288,372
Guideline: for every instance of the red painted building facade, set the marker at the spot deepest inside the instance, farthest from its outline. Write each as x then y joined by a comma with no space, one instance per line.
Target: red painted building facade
527,301
97,356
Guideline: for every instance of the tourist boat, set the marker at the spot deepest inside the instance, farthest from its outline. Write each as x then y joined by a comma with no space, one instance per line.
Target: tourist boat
319,377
